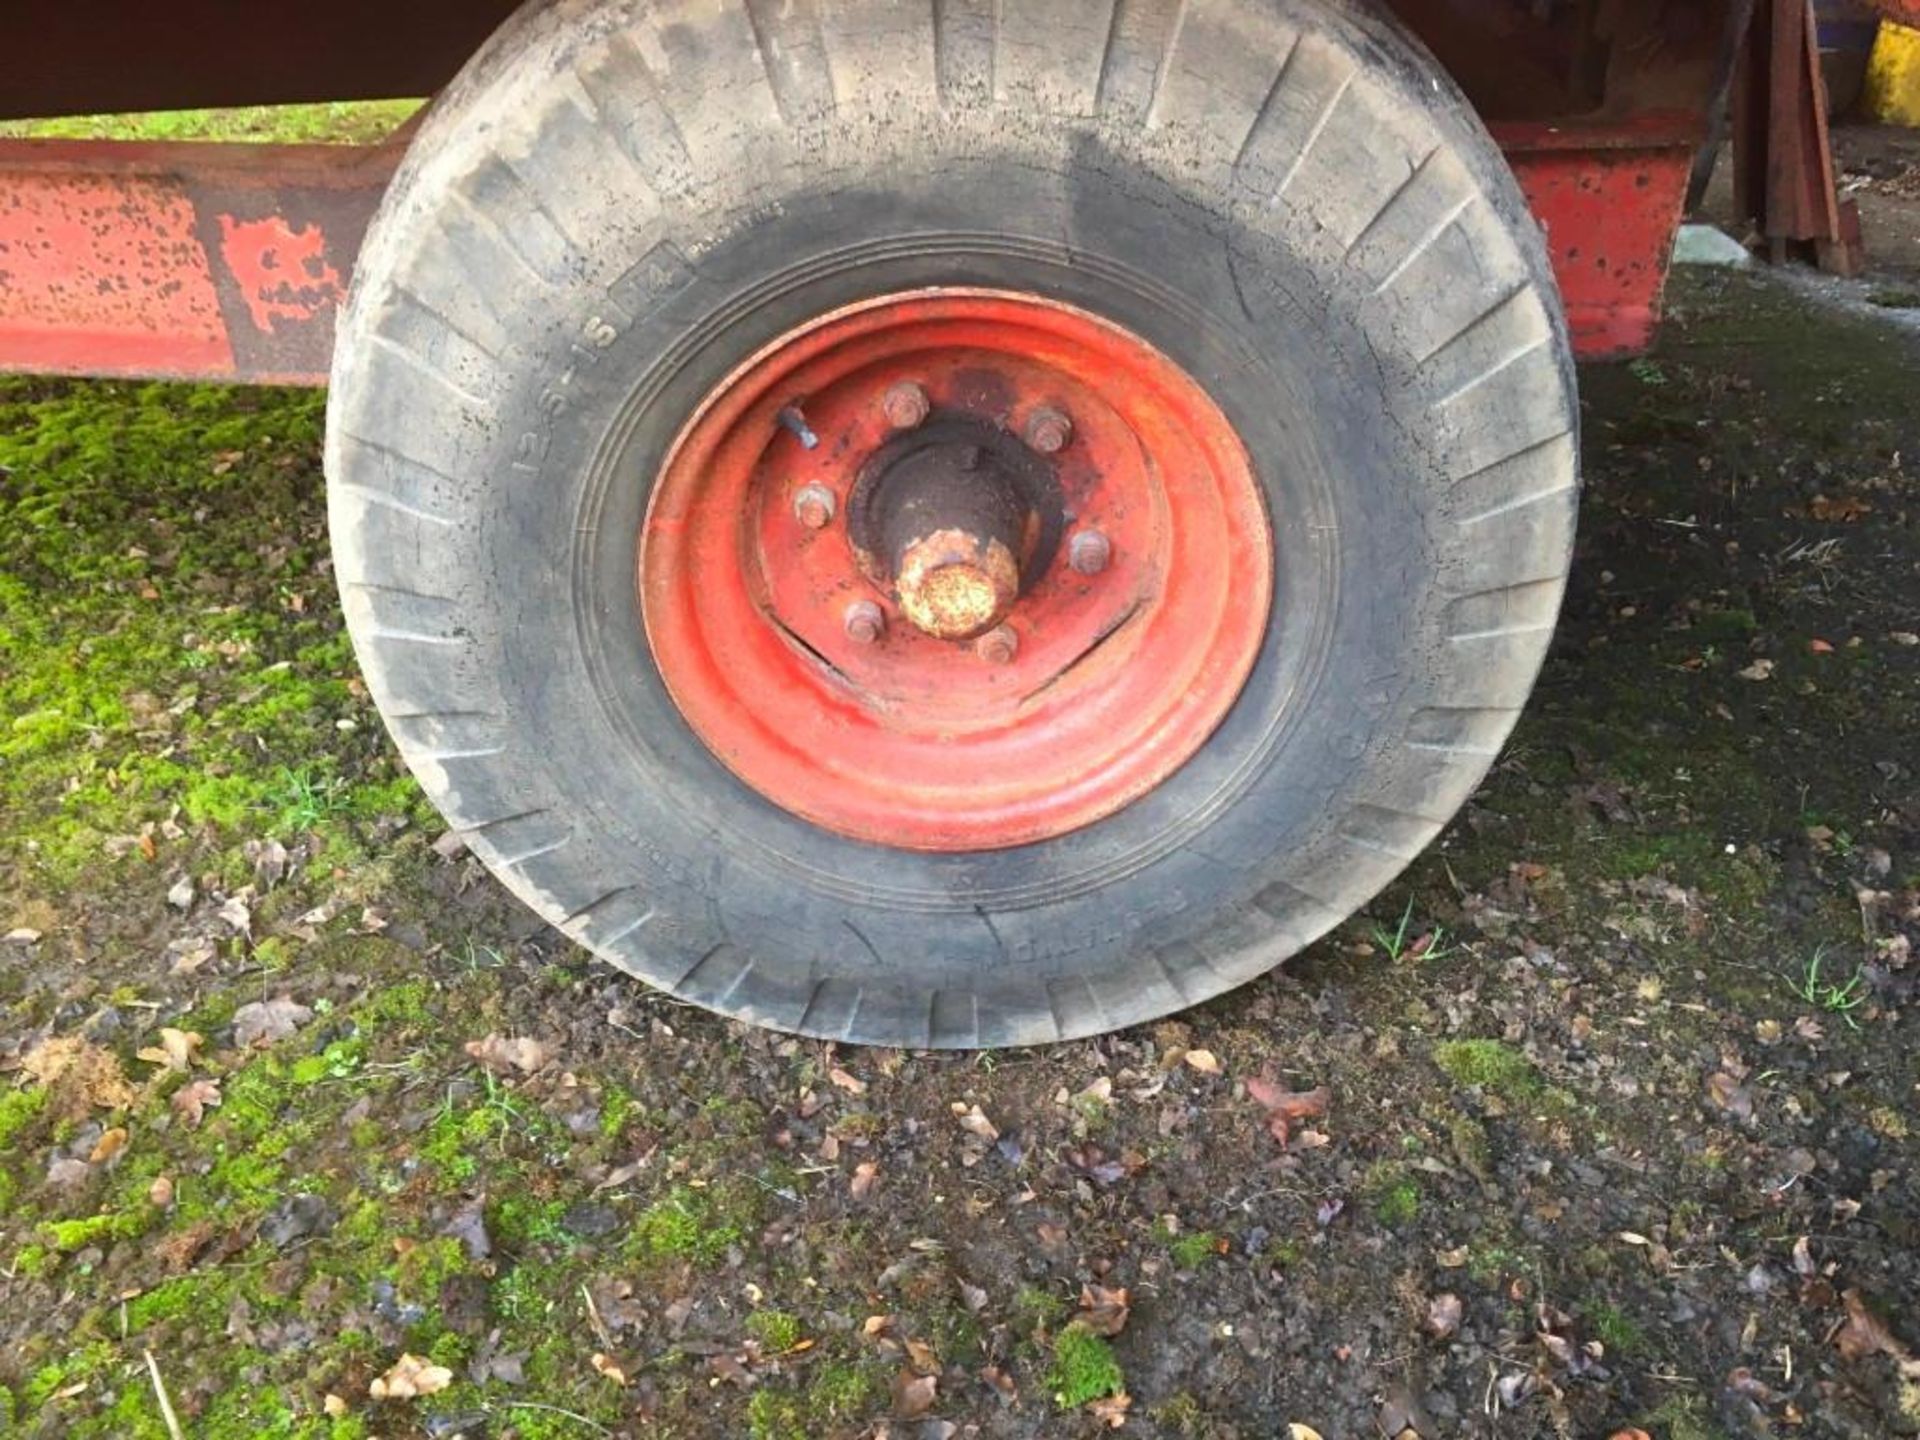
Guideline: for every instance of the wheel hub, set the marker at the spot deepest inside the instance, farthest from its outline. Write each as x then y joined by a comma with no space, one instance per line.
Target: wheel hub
955,570
949,517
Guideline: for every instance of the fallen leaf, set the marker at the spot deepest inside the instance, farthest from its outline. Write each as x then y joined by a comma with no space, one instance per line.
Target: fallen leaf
1453,1259
1103,1311
922,1358
1632,1432
607,1368
865,1175
1844,508
913,1395
193,1099
973,1120
1758,670
176,1050
1202,1060
160,1192
235,911
411,1377
852,1084
1111,1410
110,1144
1803,1262
1730,1095
1443,1314
1819,646
1865,1333
1100,1092
468,1225
1286,1107
1001,1382
1297,1431
503,1055
262,1022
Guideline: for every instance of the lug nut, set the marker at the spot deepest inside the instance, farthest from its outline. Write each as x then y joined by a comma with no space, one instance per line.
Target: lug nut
1089,551
813,506
1049,430
905,405
866,622
998,646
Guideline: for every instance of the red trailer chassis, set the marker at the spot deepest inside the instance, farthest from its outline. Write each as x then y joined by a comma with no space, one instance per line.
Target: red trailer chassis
228,262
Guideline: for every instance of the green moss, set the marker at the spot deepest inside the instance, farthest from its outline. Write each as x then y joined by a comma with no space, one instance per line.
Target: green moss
33,1261
616,1108
1083,1368
127,703
1036,1310
686,1224
776,1330
1282,1254
776,1415
1488,1065
410,1005
18,1110
1683,1418
333,122
841,1391
67,1236
1194,1249
337,1062
419,1270
1396,1202
1614,1328
79,1364
201,1298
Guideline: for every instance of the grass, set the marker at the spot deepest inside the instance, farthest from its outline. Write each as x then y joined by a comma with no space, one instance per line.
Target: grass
1400,943
1814,986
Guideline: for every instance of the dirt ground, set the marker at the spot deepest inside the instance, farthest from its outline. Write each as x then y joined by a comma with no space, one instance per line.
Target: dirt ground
1603,1117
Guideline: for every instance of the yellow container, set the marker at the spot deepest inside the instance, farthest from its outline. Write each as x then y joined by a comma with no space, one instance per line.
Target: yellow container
1893,76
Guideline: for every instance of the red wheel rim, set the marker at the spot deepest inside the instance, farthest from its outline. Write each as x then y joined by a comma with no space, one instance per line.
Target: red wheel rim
757,619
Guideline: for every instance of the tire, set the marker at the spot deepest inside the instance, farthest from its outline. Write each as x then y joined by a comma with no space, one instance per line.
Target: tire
616,202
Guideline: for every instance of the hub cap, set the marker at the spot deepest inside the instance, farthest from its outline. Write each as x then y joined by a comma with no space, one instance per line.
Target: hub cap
955,570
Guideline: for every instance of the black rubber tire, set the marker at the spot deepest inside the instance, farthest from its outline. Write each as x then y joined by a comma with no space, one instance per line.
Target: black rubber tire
618,201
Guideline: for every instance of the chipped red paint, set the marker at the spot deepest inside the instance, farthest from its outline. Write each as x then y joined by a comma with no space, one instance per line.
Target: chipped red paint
1609,196
82,291
282,272
185,261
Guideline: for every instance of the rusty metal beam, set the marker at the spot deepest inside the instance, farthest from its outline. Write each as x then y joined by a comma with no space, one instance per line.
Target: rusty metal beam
193,261
1783,178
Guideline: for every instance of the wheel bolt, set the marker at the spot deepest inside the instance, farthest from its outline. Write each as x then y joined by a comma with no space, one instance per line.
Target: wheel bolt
813,506
905,405
1049,430
866,622
1089,551
998,646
